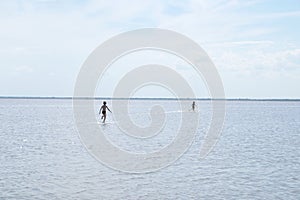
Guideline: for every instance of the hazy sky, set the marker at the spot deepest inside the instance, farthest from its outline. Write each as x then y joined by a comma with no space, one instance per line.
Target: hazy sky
255,44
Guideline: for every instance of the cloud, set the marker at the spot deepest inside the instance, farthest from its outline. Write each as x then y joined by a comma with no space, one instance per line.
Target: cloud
244,37
24,69
240,43
260,62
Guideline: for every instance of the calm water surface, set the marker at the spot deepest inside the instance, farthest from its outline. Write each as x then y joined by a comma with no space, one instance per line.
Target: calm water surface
256,157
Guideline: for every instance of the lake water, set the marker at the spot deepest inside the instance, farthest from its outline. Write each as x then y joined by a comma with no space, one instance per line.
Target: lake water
256,157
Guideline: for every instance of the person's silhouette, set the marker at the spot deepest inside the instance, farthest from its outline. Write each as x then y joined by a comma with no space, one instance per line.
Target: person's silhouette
103,109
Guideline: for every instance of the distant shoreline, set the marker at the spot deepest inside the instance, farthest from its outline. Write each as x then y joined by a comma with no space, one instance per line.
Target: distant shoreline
146,98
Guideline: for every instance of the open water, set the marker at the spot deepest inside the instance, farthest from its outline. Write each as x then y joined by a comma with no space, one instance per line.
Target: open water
256,157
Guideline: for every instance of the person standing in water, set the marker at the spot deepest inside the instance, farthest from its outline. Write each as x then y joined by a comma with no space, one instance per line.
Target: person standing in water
193,106
103,109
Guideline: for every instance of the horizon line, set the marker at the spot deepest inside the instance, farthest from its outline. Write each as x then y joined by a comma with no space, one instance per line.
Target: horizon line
149,98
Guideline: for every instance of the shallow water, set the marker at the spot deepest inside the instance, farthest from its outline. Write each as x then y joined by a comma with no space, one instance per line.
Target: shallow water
256,157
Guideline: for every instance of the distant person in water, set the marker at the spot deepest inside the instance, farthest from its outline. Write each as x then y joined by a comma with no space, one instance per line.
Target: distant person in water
103,109
193,106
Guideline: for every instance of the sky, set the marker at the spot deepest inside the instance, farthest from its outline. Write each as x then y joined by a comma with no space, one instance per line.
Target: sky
255,44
